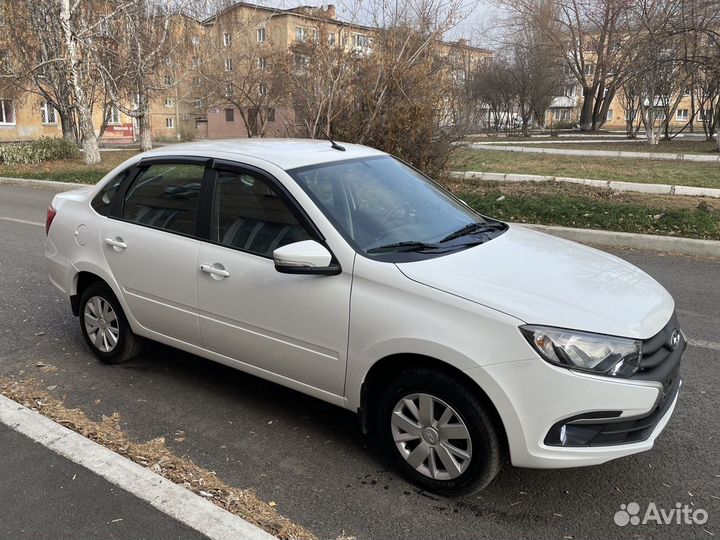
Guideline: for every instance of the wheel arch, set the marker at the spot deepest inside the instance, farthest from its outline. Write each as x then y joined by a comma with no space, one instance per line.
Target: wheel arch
390,367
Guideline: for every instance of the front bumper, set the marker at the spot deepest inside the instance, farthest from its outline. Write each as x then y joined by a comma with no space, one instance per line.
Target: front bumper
603,417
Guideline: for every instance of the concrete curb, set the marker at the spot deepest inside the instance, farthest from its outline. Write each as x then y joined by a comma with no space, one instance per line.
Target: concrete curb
637,187
599,153
645,242
42,184
170,498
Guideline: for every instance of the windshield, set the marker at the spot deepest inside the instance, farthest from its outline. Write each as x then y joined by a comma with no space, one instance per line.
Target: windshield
383,206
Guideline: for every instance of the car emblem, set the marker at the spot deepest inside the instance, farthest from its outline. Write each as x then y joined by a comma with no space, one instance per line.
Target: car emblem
675,339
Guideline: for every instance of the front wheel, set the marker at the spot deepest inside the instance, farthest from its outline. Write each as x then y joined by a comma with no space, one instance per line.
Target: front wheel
438,433
105,327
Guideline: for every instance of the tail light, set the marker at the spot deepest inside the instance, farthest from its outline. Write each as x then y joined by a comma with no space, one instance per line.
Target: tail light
51,213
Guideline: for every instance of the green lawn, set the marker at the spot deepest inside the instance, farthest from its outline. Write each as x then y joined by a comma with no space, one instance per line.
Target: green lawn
675,146
69,170
622,169
575,206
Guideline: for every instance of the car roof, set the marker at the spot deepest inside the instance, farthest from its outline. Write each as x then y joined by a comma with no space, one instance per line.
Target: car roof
284,153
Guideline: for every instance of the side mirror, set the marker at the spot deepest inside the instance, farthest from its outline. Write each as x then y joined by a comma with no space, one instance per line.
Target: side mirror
306,257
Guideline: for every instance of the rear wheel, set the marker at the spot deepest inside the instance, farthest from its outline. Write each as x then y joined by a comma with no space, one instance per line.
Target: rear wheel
105,327
438,433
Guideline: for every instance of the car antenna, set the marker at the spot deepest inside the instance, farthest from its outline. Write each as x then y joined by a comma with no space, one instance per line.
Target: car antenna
333,144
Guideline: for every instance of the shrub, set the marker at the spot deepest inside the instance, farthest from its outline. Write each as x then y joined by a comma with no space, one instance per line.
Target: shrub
44,149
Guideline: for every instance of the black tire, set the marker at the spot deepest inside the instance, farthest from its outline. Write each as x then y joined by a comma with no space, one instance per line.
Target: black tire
128,344
486,457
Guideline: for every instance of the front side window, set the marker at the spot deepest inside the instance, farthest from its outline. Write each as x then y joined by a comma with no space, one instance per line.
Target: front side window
383,206
250,215
165,197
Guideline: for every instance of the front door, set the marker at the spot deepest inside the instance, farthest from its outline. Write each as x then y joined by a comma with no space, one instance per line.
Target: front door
152,250
293,326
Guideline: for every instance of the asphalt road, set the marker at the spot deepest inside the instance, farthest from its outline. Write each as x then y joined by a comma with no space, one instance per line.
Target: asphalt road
310,458
45,496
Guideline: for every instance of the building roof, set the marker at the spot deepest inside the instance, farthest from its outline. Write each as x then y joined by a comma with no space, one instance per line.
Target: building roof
284,153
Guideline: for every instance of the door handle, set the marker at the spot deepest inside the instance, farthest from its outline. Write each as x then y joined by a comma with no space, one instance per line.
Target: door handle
214,270
116,243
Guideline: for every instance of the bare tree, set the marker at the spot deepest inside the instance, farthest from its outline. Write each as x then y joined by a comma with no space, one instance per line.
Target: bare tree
594,37
319,71
241,69
493,86
146,48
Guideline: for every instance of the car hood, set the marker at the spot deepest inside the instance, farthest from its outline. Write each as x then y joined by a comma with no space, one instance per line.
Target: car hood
542,279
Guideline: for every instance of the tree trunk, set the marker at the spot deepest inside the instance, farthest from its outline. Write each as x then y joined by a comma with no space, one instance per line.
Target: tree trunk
67,124
87,130
144,132
89,140
587,109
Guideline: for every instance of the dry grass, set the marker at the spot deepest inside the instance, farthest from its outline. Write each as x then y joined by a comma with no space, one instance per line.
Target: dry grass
552,203
671,172
69,170
157,457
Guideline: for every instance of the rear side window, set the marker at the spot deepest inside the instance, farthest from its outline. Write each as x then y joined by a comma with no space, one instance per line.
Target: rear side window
102,203
250,216
165,197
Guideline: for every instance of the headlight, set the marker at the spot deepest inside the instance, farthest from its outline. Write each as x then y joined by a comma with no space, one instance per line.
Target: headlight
595,353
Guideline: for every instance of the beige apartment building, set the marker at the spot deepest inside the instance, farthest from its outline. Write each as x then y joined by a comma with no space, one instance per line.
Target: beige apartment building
183,110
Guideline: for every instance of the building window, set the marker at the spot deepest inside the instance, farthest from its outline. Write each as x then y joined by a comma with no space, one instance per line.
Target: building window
332,39
229,90
271,114
195,62
569,90
169,102
198,103
167,80
301,61
609,116
114,115
195,41
589,69
630,116
196,81
301,33
229,115
261,35
262,89
170,122
47,113
681,114
361,41
262,63
562,115
228,64
227,38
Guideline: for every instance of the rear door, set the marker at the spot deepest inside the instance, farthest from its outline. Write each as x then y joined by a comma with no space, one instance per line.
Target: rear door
151,247
292,326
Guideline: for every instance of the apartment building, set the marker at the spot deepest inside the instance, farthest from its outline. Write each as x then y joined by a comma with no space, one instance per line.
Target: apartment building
190,101
565,109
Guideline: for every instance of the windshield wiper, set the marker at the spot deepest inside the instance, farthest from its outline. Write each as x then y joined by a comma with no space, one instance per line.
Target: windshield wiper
473,228
406,246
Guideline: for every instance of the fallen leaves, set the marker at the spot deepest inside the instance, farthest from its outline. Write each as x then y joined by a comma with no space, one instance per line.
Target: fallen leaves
156,456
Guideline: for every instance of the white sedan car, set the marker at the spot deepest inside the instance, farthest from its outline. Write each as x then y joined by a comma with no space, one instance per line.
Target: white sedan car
345,274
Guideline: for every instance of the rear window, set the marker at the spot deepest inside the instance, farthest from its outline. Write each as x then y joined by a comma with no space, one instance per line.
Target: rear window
165,197
102,203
